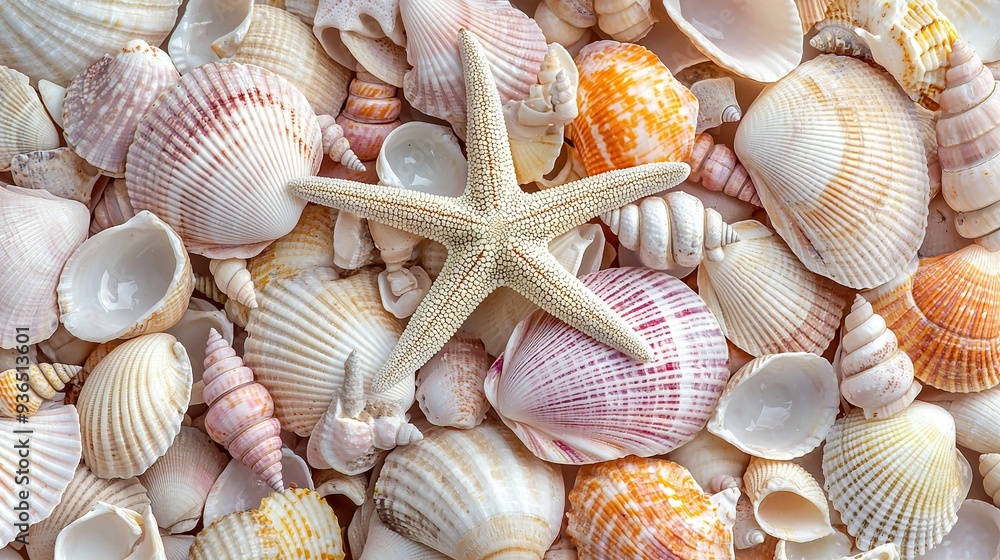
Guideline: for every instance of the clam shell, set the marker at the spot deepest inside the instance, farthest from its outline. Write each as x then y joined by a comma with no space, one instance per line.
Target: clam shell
59,171
108,531
25,125
132,405
104,104
848,193
573,400
227,195
126,281
787,501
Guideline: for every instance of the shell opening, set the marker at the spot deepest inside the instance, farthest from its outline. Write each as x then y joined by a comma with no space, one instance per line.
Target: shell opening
794,513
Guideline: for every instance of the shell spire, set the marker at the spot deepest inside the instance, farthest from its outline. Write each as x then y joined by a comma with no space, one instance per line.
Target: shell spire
43,380
371,113
336,144
240,412
716,168
233,279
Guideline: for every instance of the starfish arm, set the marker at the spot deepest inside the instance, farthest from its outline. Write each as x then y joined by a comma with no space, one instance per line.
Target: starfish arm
538,276
491,167
560,209
427,215
464,282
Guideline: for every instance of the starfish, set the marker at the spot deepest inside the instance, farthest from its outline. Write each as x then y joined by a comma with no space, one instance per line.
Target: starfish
496,234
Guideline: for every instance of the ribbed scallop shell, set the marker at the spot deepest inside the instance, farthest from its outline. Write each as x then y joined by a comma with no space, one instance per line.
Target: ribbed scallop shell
787,501
24,124
213,155
450,385
104,104
765,299
301,335
279,42
238,488
976,417
500,501
82,494
132,405
644,508
57,39
945,314
810,12
898,480
238,536
632,110
176,547
306,525
513,44
178,483
573,400
836,153
54,450
38,234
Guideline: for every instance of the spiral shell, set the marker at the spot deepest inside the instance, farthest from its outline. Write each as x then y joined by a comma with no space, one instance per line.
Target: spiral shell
232,277
877,375
565,21
337,146
371,113
625,20
240,412
787,501
716,93
716,168
39,382
989,468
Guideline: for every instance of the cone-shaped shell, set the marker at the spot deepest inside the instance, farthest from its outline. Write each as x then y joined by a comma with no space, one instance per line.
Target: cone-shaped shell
836,153
897,480
765,299
301,335
104,104
237,536
945,314
306,525
503,502
24,125
194,165
54,447
573,400
632,110
787,501
38,234
132,405
644,508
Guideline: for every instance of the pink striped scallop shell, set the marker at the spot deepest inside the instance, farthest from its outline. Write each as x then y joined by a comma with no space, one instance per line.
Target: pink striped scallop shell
573,400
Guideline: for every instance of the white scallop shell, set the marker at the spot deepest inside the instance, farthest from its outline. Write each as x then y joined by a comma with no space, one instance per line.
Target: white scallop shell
176,547
24,126
109,531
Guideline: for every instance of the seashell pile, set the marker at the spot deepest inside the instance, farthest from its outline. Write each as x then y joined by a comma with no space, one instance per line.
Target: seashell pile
499,279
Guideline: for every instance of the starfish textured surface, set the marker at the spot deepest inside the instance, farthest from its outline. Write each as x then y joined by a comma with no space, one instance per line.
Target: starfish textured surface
496,234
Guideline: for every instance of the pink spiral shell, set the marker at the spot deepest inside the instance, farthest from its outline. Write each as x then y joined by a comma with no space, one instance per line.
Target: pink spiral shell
716,168
240,412
371,113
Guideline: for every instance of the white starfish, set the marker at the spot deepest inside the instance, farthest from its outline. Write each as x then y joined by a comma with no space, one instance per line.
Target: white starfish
496,234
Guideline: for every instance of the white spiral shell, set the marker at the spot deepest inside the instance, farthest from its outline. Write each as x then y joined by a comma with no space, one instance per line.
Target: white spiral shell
233,279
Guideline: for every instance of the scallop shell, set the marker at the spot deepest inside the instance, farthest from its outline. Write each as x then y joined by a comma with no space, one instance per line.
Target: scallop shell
787,501
54,447
849,191
38,234
382,542
104,104
713,462
912,497
132,404
513,44
804,308
239,489
976,535
573,400
307,527
502,502
140,286
778,406
57,39
237,212
811,12
632,110
450,385
59,171
975,414
238,536
714,167
942,312
326,319
23,389
108,531
644,508
308,247
176,547
178,483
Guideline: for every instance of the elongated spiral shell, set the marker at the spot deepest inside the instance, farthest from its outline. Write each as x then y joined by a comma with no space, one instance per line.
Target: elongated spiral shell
371,113
715,166
671,231
232,277
240,412
989,468
36,383
337,146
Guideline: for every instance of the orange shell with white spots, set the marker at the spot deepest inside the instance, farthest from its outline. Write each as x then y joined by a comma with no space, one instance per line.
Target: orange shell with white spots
644,508
632,110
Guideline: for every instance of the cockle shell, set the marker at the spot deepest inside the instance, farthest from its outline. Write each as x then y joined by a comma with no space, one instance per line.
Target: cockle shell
943,312
876,375
132,405
450,386
308,247
644,508
59,171
632,110
57,39
778,406
104,104
573,400
976,535
503,503
968,134
237,206
25,387
975,416
381,542
238,488
240,412
126,281
112,207
37,484
240,535
713,462
804,309
38,233
787,501
178,483
109,531
625,20
565,21
714,166
307,526
912,497
371,113
809,161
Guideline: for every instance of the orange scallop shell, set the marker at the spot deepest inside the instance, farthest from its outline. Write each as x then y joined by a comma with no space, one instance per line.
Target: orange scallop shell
946,315
644,508
632,110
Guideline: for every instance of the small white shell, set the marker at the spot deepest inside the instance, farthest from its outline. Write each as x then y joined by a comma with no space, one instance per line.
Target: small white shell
203,22
109,531
233,278
787,501
450,385
713,462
